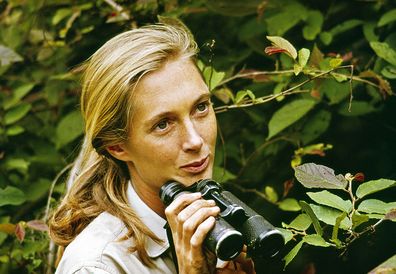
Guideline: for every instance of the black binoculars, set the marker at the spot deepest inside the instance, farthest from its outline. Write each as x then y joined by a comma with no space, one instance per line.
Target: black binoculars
236,225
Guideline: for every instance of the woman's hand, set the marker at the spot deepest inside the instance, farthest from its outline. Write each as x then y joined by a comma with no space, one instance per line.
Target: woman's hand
191,218
240,265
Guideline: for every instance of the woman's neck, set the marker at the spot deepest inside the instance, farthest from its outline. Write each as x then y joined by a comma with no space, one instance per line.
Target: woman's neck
151,198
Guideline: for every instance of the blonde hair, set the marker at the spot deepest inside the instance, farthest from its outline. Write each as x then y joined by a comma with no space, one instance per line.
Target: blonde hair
97,181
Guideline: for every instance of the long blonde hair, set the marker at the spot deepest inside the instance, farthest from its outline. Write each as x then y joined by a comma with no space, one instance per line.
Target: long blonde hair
97,181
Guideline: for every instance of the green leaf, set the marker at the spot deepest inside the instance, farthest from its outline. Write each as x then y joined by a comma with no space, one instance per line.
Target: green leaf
297,69
334,91
335,62
11,196
387,18
61,14
313,25
374,186
294,12
389,72
288,114
334,235
316,240
282,43
289,204
37,189
358,108
8,56
314,218
384,51
287,234
212,77
329,199
329,216
251,29
290,256
303,56
375,206
339,77
14,130
271,194
326,37
17,95
358,219
345,26
242,94
311,175
369,31
17,164
315,126
302,222
16,113
69,128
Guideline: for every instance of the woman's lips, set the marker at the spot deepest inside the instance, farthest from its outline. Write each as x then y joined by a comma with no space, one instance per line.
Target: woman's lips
196,167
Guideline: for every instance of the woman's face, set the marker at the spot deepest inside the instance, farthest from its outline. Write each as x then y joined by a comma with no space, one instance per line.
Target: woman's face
173,131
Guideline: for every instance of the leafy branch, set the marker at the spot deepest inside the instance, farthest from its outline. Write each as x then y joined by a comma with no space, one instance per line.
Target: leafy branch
354,216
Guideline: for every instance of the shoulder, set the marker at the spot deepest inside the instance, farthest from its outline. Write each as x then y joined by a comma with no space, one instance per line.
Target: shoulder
98,246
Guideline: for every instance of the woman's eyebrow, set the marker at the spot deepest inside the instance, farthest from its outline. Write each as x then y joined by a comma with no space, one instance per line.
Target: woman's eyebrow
161,115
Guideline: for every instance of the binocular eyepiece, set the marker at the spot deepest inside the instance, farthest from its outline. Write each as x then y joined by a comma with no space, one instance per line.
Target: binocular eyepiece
236,225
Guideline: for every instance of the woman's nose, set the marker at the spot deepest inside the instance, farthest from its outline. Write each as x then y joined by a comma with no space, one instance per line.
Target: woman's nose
192,139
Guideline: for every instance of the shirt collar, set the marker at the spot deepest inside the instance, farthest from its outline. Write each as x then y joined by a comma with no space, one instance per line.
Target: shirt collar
152,220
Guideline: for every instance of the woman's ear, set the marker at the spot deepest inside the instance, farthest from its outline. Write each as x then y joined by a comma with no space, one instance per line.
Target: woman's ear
119,152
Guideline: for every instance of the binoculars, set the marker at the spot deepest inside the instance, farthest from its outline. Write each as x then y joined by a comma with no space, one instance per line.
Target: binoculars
236,225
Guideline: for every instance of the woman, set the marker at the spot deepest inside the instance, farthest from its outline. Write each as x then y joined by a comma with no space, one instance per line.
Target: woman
148,119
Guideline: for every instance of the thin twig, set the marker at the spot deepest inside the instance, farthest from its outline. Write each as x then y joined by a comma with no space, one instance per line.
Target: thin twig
52,246
253,74
258,101
47,208
119,9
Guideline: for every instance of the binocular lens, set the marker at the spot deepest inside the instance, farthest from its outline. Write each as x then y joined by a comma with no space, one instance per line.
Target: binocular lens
269,244
225,241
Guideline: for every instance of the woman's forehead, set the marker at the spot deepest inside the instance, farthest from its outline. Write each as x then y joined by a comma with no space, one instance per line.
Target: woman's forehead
176,85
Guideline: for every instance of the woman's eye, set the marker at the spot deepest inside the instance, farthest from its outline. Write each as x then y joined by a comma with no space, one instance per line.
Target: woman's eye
162,125
201,107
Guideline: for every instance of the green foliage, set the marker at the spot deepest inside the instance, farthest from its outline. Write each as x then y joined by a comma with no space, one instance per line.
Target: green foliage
354,215
292,81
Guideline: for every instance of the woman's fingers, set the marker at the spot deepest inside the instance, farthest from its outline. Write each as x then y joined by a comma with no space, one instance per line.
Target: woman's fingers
195,221
200,233
193,208
180,203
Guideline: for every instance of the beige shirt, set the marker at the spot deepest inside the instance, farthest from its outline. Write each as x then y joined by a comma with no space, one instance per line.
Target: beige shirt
97,249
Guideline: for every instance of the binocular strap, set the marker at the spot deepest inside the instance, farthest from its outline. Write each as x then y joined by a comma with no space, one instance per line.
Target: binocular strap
172,246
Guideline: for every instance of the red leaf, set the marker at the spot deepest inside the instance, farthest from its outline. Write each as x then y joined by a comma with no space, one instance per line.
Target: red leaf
20,232
347,56
37,225
287,186
273,50
315,93
359,177
391,215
